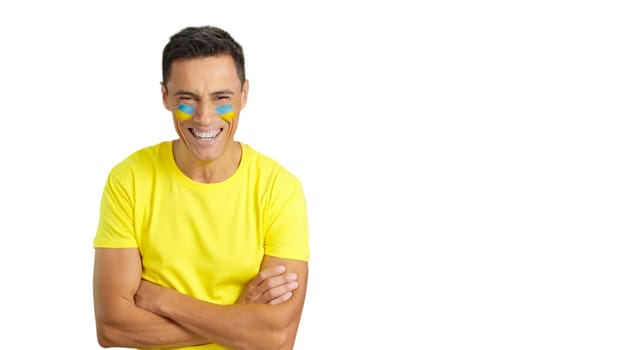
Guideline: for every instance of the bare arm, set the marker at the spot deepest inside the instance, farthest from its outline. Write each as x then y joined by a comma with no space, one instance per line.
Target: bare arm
272,285
248,326
120,323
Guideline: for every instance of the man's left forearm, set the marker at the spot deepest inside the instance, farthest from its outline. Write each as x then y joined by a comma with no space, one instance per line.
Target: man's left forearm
251,326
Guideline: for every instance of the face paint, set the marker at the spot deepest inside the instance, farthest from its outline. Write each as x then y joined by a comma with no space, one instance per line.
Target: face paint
184,112
225,112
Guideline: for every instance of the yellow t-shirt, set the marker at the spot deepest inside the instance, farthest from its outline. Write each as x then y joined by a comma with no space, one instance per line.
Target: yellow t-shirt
204,240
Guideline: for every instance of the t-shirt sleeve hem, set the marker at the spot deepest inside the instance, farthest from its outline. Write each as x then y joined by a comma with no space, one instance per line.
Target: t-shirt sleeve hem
114,245
302,257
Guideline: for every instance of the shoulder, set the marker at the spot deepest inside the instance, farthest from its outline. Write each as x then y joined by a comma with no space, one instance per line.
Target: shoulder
141,160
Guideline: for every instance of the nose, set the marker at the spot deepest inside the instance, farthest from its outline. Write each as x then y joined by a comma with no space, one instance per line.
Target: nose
204,114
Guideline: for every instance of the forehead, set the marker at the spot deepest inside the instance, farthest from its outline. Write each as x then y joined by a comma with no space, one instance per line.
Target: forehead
204,73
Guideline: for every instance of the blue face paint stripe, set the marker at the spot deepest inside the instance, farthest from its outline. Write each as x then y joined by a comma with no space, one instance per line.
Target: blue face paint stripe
186,109
224,109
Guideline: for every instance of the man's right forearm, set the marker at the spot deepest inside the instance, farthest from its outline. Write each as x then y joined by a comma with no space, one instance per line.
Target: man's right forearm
132,327
120,323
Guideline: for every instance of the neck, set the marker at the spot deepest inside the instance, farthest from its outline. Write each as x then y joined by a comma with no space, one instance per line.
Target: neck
208,171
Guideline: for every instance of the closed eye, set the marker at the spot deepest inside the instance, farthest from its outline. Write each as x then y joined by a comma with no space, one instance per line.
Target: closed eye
187,100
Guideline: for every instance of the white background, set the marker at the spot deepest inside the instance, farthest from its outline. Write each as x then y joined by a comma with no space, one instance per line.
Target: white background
461,160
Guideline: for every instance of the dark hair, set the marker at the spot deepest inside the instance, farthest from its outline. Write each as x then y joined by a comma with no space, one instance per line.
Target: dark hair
196,42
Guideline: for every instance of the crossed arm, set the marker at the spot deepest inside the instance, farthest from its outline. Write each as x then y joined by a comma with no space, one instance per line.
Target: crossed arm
131,312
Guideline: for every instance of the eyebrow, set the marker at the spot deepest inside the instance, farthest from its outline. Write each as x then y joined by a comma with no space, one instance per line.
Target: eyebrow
184,92
215,93
221,92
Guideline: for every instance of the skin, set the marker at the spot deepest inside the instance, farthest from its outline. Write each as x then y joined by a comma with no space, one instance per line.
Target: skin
206,83
247,326
131,312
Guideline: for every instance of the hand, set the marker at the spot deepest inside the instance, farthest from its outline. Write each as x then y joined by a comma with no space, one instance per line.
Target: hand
147,295
271,286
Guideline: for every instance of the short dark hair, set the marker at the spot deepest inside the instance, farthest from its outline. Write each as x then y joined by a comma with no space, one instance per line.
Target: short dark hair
205,41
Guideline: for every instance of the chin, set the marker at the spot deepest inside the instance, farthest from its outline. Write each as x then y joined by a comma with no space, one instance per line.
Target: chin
207,155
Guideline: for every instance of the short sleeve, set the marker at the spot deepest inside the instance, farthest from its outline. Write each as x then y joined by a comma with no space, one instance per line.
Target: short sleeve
116,219
287,235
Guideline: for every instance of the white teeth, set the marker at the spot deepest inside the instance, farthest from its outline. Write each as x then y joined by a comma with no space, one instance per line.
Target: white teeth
207,135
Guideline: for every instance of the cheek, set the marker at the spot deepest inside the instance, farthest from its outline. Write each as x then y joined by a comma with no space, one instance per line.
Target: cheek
181,116
226,112
184,112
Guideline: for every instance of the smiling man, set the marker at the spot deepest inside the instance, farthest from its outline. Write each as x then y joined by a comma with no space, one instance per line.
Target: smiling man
202,241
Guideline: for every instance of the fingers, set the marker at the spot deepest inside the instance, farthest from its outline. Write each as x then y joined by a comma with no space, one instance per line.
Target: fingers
271,286
281,293
266,274
274,282
278,289
283,298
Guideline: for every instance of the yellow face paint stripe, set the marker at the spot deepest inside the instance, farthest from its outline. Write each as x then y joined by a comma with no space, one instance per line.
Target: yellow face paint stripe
184,112
226,112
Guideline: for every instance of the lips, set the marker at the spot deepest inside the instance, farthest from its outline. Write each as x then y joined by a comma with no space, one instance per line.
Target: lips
206,135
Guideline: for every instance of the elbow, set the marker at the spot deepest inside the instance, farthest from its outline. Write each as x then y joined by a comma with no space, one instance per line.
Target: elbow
277,331
104,338
104,343
283,341
108,336
270,338
283,333
281,337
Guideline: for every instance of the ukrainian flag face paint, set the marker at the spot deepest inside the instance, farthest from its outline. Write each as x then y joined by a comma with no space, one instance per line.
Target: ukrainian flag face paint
184,112
225,112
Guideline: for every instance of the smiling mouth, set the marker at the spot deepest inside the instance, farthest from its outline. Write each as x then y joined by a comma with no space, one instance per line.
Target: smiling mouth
208,135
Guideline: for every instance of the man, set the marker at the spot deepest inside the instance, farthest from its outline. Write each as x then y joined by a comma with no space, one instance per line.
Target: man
201,240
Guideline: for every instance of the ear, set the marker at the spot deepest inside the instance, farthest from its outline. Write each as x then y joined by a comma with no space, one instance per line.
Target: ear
244,94
165,96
